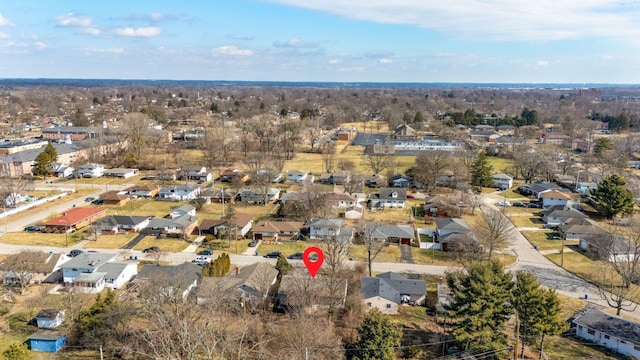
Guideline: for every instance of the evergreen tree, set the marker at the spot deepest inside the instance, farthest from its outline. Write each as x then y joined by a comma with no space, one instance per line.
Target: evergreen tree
283,266
601,146
17,351
549,322
527,299
379,337
481,171
612,197
51,151
44,160
480,307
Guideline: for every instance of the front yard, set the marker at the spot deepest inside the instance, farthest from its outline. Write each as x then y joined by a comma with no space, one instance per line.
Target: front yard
167,245
545,240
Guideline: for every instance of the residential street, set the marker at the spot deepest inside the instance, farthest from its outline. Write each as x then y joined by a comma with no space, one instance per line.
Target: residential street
549,274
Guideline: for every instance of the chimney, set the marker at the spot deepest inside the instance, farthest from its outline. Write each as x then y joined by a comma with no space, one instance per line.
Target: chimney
237,271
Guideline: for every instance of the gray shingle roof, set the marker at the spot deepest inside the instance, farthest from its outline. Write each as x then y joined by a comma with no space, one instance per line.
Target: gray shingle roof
610,324
452,224
392,286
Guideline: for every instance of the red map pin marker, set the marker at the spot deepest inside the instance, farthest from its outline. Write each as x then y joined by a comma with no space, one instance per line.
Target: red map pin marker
313,265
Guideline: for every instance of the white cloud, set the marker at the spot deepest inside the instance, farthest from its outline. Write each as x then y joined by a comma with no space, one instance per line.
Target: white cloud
91,31
335,61
296,43
111,51
4,21
138,32
231,50
607,57
385,61
40,45
72,20
519,20
4,35
353,69
542,63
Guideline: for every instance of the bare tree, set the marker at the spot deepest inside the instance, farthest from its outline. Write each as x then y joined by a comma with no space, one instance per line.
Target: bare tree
373,241
379,162
313,134
430,166
528,164
335,255
492,230
611,287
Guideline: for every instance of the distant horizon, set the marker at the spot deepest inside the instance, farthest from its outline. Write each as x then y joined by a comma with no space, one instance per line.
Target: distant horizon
84,81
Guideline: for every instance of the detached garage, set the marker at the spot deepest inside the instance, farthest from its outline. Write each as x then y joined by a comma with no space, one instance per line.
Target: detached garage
47,341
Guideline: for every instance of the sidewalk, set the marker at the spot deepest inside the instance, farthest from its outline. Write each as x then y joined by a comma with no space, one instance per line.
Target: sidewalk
194,245
252,250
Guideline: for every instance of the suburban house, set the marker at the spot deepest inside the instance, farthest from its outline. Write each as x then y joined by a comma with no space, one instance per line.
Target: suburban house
339,177
179,192
389,197
375,180
274,231
197,173
143,191
220,196
576,231
169,282
608,247
401,181
557,198
180,227
453,234
117,224
92,272
183,210
560,215
234,176
241,224
299,291
90,170
260,195
246,286
116,198
47,341
49,318
329,229
586,187
398,234
536,189
74,219
341,200
61,170
297,176
389,290
266,174
615,333
502,181
120,173
32,266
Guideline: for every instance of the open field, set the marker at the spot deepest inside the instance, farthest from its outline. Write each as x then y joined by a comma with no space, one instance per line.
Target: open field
41,239
168,245
501,165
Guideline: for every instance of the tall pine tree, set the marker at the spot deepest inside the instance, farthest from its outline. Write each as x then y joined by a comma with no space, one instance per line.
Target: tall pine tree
481,171
612,197
379,338
480,307
44,160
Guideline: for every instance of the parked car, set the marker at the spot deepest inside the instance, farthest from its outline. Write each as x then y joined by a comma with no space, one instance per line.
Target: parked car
533,206
296,256
89,199
151,249
205,252
503,203
518,204
273,255
75,252
97,202
201,259
32,228
253,243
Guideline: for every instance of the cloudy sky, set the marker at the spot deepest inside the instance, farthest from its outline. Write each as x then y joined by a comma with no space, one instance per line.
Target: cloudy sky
561,41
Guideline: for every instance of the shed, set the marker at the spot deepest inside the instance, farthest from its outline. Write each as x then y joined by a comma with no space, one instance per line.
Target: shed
50,318
47,341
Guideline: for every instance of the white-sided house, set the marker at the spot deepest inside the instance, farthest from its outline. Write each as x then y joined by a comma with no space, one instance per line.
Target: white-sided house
49,318
93,272
120,173
297,176
183,210
586,187
613,332
389,290
557,198
61,170
180,192
353,213
90,170
608,247
389,197
502,181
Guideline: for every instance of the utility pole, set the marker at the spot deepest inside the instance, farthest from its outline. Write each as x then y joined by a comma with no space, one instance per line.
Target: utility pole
101,357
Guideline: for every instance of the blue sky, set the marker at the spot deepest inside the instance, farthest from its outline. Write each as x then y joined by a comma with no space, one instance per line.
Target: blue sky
566,41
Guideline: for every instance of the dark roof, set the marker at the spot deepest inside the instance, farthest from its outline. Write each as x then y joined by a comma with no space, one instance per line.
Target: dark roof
70,130
542,187
32,261
568,213
48,313
391,286
51,335
452,224
185,273
389,231
386,193
610,324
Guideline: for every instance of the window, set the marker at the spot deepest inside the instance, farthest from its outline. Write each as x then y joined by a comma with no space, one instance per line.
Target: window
369,304
636,347
388,306
606,336
591,332
622,342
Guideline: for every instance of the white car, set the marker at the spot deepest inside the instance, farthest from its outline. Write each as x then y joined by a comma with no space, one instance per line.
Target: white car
503,203
201,259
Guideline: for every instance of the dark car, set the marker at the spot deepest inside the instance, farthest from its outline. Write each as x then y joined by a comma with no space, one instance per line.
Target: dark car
518,204
205,252
533,205
75,252
151,249
273,255
253,243
32,228
97,202
296,256
89,199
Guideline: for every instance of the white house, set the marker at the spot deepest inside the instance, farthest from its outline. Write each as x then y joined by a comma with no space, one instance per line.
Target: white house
92,272
182,210
120,173
586,187
613,332
297,176
389,290
179,192
90,170
49,318
61,170
389,197
502,181
557,198
325,228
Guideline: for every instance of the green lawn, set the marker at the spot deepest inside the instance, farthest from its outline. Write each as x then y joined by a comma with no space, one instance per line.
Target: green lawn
501,165
236,247
110,241
145,207
257,212
390,253
579,264
526,221
40,239
544,240
168,245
